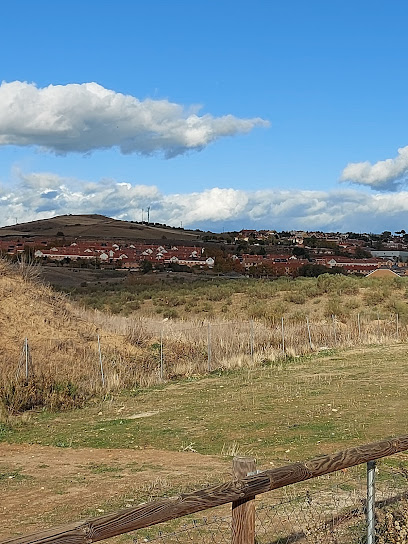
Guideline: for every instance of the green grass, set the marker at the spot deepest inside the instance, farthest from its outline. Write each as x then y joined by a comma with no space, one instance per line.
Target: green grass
287,412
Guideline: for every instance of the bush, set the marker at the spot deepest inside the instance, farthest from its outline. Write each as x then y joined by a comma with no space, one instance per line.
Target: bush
296,297
37,392
335,307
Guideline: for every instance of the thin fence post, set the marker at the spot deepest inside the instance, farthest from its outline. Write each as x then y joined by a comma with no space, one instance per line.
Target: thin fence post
283,338
243,510
334,328
209,347
371,502
26,357
251,338
397,325
100,362
161,354
359,326
309,334
378,327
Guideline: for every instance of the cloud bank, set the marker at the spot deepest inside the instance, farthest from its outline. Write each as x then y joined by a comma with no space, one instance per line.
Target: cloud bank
389,174
85,117
42,195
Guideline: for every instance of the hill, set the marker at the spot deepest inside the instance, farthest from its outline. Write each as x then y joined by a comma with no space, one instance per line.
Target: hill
96,226
63,364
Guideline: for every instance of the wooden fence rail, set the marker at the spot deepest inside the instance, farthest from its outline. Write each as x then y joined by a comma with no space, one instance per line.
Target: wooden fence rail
146,515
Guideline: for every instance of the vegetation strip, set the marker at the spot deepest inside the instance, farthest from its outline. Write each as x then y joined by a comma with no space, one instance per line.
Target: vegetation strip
146,515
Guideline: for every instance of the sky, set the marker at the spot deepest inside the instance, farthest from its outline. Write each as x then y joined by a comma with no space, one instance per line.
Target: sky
215,114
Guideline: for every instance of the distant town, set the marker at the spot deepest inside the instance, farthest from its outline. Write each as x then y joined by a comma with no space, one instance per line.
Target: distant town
263,253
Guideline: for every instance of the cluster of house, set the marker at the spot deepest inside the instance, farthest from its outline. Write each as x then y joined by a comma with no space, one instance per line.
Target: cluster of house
290,265
341,239
131,256
110,254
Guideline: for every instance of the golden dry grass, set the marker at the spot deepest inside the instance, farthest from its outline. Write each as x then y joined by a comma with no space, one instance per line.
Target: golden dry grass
63,346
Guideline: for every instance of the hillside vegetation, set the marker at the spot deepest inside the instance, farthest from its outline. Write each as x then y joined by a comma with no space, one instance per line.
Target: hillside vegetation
73,354
63,360
316,298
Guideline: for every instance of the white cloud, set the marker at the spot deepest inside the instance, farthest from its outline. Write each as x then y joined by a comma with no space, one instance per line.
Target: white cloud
85,117
40,195
389,174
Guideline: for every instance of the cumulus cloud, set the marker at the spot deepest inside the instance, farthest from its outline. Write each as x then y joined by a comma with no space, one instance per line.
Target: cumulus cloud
42,195
389,174
85,117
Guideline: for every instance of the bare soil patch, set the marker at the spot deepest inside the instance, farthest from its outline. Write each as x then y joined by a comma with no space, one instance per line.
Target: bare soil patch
44,486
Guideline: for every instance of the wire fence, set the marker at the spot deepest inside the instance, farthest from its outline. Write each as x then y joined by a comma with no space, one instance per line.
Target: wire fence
220,344
330,509
171,349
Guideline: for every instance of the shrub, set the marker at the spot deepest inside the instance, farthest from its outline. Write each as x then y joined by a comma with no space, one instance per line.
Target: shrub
23,395
296,297
335,307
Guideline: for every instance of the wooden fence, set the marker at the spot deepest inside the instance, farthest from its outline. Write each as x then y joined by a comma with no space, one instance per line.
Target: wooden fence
240,492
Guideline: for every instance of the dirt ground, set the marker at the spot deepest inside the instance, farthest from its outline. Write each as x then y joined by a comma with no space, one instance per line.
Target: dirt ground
43,486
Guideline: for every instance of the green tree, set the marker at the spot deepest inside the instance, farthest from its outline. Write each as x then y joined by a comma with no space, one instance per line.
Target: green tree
146,267
314,270
300,252
361,253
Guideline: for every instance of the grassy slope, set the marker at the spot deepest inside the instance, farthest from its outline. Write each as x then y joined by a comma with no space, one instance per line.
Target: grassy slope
279,413
63,346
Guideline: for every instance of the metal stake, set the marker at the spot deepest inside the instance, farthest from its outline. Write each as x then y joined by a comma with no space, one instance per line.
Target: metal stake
334,328
251,338
283,338
161,354
308,332
26,357
100,362
209,347
371,502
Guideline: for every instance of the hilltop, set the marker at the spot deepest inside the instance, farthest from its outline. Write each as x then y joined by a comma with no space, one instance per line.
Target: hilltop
98,227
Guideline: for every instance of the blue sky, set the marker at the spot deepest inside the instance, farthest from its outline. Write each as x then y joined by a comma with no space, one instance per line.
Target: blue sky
303,111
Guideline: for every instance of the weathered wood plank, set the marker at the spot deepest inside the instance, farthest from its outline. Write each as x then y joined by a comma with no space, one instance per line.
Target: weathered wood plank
155,512
243,510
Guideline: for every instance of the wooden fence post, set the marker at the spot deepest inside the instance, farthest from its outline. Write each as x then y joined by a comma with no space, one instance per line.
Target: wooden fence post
243,510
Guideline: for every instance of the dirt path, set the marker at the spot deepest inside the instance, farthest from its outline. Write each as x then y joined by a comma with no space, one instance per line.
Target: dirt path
43,486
